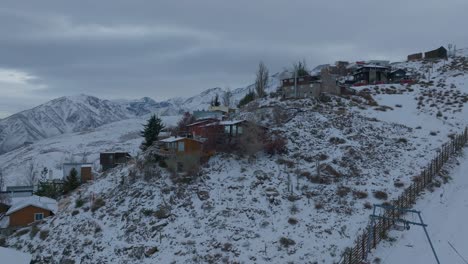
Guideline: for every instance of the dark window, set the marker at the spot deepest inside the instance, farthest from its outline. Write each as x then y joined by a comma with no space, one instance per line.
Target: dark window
38,216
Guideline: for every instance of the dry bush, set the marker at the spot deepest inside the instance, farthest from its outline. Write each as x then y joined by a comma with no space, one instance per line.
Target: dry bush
288,163
163,212
318,205
381,195
367,205
292,221
44,234
360,194
279,115
276,145
286,242
342,191
98,203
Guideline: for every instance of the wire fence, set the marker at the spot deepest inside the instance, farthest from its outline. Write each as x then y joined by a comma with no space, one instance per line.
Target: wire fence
358,253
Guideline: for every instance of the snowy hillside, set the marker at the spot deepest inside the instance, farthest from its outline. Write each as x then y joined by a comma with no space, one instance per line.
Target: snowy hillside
81,146
305,206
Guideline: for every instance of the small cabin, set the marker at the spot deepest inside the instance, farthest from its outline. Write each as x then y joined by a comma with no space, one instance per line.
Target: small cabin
371,74
109,160
19,191
31,209
178,146
397,75
440,53
83,170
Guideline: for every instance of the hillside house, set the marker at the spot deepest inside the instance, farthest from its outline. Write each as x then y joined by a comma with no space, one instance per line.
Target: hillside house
83,170
180,153
178,146
31,209
397,75
300,87
440,53
200,115
371,74
18,191
415,56
109,160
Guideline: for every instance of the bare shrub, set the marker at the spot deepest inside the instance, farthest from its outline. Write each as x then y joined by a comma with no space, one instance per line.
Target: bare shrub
98,203
163,212
342,191
279,115
286,242
44,234
398,184
276,145
360,194
367,205
292,221
318,205
381,195
288,163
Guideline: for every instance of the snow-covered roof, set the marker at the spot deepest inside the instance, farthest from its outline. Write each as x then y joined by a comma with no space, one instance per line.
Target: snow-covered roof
171,139
9,255
373,66
78,163
201,122
36,201
230,122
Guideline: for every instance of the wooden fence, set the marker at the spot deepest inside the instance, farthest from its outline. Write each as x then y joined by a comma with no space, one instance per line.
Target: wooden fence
358,253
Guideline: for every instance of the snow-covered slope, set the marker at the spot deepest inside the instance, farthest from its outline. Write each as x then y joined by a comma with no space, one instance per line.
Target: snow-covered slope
80,146
444,211
267,209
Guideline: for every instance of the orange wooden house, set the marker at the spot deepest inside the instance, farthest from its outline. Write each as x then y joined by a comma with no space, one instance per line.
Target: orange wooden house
31,209
179,146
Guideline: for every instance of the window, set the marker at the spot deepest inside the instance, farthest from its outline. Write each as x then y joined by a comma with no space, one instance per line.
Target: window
227,129
239,130
38,216
181,146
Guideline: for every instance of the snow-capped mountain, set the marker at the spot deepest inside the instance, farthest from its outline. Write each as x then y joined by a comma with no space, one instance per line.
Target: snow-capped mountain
83,112
59,116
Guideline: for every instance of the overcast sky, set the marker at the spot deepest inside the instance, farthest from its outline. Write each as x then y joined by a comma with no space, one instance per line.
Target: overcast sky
163,49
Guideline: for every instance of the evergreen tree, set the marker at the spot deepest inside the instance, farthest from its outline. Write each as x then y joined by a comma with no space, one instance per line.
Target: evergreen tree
301,68
71,182
151,131
215,101
49,189
249,97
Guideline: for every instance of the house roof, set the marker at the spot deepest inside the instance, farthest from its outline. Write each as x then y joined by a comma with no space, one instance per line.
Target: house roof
171,139
374,66
78,163
202,121
175,139
230,122
36,201
9,255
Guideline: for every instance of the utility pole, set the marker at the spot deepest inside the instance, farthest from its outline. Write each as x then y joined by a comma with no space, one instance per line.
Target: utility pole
295,83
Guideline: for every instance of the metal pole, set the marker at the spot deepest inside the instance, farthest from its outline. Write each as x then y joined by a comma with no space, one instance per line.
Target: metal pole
295,83
371,230
428,238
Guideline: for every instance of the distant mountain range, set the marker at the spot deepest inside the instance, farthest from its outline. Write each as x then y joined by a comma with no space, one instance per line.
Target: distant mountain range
84,112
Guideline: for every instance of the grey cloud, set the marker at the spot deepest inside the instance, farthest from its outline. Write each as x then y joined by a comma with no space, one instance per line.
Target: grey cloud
119,48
